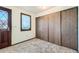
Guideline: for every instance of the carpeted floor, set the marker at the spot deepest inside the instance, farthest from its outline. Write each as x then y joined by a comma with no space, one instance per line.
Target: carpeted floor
36,46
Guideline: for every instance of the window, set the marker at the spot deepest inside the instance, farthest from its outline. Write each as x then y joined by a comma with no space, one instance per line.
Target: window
3,19
25,22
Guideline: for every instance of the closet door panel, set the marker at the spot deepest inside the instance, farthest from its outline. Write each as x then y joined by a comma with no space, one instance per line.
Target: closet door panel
69,28
42,28
39,27
54,28
45,28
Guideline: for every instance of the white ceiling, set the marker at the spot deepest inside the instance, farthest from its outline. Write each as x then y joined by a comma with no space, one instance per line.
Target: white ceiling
36,9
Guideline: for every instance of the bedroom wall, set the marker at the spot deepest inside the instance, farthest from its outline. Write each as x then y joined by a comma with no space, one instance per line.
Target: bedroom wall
17,35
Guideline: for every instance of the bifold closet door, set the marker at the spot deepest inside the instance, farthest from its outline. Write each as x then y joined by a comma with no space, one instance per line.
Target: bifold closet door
42,27
69,28
54,28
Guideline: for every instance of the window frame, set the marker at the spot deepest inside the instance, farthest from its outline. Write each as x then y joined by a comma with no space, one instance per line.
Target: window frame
21,22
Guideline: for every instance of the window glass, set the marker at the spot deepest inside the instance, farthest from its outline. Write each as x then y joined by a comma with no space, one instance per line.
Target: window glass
26,22
3,19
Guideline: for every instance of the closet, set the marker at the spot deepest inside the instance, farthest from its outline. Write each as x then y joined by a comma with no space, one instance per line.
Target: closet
60,28
42,27
54,28
69,28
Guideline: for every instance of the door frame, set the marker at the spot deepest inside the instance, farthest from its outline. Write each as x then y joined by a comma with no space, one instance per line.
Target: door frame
10,22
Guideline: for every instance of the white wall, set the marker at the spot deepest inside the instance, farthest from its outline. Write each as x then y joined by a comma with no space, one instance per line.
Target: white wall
17,35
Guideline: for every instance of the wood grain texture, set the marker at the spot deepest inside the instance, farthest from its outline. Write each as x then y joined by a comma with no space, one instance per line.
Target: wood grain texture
38,27
69,28
54,28
42,28
60,28
45,28
5,34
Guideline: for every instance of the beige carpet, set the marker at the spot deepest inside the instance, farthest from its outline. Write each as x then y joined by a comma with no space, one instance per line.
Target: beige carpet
36,46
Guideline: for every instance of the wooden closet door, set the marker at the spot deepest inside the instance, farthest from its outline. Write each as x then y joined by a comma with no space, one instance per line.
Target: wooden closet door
39,27
54,28
45,28
42,27
69,28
